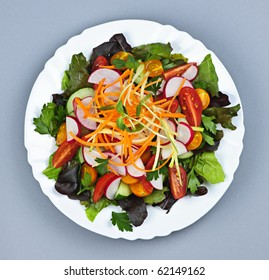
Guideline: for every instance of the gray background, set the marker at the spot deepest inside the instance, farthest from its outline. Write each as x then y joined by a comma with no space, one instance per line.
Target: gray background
236,228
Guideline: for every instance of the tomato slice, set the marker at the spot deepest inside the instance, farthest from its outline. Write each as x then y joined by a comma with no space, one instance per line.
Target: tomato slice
204,96
175,71
146,156
174,106
150,162
85,168
65,152
99,61
128,179
101,185
196,141
61,135
178,188
120,55
191,105
154,67
142,188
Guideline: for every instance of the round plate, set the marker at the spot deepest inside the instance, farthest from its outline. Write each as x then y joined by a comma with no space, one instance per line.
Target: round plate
188,209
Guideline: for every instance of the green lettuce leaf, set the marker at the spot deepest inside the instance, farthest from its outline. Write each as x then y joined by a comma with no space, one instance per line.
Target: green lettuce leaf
51,172
76,77
223,115
207,77
156,196
92,209
208,166
152,51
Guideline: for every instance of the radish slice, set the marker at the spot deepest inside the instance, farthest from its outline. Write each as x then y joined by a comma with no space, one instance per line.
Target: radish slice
98,75
72,125
120,170
191,73
90,156
86,122
157,183
134,172
172,127
173,84
112,188
185,133
167,150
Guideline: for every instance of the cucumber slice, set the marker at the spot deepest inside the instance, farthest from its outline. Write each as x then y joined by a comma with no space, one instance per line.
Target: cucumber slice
81,93
185,155
123,191
80,155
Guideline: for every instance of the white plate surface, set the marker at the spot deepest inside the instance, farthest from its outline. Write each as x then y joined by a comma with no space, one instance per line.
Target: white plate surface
188,209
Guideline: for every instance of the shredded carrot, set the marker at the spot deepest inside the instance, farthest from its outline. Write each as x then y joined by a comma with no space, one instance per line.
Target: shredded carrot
141,127
108,66
172,115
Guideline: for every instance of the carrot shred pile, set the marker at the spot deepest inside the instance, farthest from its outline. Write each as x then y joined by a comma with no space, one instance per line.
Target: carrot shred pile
128,117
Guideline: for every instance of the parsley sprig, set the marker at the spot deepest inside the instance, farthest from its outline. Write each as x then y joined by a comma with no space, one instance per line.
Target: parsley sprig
122,221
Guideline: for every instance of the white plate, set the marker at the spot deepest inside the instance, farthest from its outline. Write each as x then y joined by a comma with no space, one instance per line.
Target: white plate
188,209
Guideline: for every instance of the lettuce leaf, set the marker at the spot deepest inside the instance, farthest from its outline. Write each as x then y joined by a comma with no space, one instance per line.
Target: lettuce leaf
152,51
207,78
92,209
223,115
208,166
76,77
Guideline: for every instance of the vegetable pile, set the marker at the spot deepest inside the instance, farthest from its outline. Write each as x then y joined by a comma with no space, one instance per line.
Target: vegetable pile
135,126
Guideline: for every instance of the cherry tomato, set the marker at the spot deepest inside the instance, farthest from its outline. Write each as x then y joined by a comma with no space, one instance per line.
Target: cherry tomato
178,187
150,162
120,55
146,156
61,135
175,71
174,106
191,105
65,152
128,179
142,188
154,67
102,184
85,168
99,61
204,96
196,141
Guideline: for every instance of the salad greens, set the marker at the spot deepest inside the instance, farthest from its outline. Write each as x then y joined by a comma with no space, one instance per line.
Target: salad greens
207,77
84,170
50,119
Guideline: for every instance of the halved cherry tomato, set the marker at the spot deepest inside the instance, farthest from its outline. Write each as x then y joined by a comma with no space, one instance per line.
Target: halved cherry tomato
178,187
196,141
150,162
174,106
85,168
154,67
102,184
204,96
146,156
175,71
128,179
191,105
64,153
61,135
142,188
99,61
120,55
